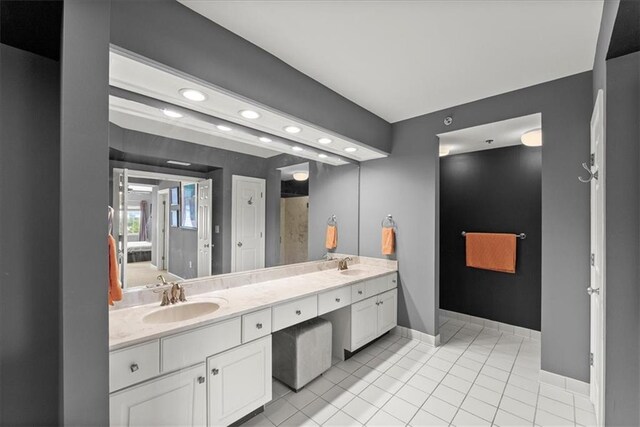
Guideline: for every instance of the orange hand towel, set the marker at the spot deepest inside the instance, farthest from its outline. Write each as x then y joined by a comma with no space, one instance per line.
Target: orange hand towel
388,240
492,251
331,241
115,290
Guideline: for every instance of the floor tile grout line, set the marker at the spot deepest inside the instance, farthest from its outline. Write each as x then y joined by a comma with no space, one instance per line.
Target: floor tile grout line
505,386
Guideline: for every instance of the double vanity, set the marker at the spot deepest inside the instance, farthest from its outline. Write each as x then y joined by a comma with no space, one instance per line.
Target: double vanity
207,361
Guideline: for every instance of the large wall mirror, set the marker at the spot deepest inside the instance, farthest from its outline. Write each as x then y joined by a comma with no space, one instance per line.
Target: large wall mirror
204,182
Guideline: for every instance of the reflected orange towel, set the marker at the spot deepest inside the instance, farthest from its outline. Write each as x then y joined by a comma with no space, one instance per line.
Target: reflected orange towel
331,241
492,251
388,240
115,290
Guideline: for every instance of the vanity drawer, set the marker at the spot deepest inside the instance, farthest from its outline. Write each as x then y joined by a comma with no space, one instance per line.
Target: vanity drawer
333,300
380,284
358,292
133,364
392,281
188,348
290,313
256,325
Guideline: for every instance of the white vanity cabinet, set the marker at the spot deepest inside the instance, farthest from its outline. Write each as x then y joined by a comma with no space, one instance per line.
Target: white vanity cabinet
239,381
373,317
177,399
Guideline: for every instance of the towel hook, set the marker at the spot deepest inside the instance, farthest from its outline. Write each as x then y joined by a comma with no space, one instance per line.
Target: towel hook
592,175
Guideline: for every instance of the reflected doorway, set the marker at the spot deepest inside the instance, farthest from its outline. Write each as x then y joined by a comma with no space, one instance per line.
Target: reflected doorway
294,214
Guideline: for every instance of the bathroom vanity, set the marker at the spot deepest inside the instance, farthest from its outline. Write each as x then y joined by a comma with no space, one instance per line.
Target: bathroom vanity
207,361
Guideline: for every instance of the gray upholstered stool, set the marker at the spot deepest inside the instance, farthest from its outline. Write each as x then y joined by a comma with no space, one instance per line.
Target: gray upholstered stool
302,352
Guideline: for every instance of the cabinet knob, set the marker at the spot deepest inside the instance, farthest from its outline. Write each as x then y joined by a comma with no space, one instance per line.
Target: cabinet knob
337,299
298,312
134,367
381,302
200,380
393,281
258,325
215,371
377,302
359,292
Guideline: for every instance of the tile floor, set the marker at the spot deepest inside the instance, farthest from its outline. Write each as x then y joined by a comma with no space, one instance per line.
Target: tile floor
478,377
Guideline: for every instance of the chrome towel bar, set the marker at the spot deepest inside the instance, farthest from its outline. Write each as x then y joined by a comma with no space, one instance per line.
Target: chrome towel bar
520,236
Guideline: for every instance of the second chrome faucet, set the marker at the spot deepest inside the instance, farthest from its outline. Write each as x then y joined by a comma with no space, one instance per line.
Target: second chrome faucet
173,295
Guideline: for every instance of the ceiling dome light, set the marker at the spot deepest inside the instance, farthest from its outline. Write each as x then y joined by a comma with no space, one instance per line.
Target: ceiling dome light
351,149
250,114
292,129
444,151
265,139
325,141
300,176
533,138
322,156
295,148
224,128
172,113
193,95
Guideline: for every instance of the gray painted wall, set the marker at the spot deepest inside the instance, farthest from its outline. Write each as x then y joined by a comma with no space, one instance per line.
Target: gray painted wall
84,146
29,314
406,185
174,35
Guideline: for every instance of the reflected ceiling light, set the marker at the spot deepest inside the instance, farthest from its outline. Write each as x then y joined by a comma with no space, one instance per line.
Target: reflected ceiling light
351,149
300,176
250,114
292,129
172,113
296,148
532,138
265,139
325,141
175,162
140,188
444,151
322,156
224,128
193,95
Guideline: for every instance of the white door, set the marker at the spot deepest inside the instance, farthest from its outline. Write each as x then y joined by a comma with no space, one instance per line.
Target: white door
387,311
174,400
247,223
364,322
239,381
596,288
204,228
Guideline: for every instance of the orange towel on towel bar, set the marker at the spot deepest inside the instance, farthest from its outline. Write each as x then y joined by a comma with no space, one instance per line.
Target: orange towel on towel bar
492,251
388,240
115,290
331,241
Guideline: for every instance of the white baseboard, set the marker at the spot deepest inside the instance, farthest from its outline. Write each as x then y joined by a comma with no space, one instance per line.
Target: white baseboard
416,335
566,383
492,324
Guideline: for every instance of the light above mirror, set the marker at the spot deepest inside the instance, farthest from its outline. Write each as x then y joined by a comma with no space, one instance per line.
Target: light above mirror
351,149
301,176
292,129
296,148
172,113
193,95
265,139
224,128
250,114
176,162
325,141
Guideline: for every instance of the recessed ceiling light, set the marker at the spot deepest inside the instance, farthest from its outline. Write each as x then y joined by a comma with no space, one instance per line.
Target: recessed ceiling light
444,151
301,176
224,128
292,129
250,114
533,138
325,141
351,149
172,113
264,139
193,95
140,188
175,162
322,156
296,148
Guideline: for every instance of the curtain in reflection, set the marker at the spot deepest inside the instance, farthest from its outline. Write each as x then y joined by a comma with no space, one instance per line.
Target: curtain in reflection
143,233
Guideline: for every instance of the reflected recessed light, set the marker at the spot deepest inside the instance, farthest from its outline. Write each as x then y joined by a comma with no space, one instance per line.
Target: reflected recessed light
300,176
444,151
172,113
351,149
193,95
175,162
325,141
140,188
224,128
533,138
295,148
322,156
292,129
250,114
264,139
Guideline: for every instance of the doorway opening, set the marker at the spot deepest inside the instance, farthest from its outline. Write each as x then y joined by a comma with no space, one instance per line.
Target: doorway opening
294,214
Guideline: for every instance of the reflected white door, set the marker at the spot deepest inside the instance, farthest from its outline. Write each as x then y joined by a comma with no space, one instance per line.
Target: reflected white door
120,195
596,287
247,223
204,228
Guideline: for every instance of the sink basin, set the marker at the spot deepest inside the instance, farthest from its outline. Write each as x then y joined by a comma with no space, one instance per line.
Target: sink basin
352,272
181,311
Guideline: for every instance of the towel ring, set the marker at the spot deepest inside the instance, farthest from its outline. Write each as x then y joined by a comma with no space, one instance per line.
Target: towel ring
332,220
388,221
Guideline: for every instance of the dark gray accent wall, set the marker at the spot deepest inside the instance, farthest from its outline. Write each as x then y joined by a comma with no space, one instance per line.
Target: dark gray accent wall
406,185
29,164
496,191
84,145
622,183
176,36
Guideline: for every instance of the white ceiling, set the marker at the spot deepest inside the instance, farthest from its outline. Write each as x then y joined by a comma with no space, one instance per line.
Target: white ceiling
400,59
504,134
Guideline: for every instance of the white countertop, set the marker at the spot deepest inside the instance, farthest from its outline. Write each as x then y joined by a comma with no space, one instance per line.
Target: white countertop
127,328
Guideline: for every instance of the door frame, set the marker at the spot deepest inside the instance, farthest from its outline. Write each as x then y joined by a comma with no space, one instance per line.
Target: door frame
234,195
163,265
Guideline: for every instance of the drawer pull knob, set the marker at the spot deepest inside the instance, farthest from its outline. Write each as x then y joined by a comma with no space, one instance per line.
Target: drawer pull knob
393,281
337,299
298,312
381,302
259,326
200,380
215,371
134,367
359,292
377,302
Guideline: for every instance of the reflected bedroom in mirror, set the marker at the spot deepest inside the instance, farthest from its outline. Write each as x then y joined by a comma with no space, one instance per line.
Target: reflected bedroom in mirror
203,182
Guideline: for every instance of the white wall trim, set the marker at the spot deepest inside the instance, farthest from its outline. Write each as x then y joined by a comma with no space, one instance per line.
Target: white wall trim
492,324
416,335
566,383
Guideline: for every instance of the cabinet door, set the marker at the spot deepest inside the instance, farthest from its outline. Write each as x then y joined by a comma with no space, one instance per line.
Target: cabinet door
177,399
239,381
364,315
387,311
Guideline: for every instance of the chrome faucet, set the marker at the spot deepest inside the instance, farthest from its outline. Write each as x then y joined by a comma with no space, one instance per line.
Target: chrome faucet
342,263
162,279
173,295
